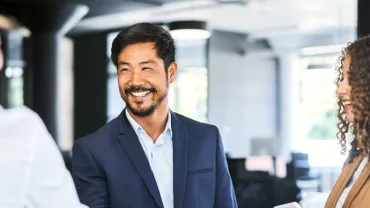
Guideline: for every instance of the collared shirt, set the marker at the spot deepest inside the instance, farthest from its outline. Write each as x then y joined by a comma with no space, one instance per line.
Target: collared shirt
32,170
160,157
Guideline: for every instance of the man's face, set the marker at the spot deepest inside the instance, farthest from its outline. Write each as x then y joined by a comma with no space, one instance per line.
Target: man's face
142,78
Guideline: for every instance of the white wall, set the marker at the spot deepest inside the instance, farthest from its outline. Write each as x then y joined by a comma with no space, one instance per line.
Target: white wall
245,107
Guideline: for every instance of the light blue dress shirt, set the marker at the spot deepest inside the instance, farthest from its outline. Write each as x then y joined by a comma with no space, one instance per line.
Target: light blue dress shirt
160,157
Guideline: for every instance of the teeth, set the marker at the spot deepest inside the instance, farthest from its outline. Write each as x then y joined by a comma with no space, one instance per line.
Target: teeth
347,103
140,94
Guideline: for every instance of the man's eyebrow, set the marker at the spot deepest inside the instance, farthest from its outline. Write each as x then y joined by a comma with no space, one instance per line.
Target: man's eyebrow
147,62
141,63
123,63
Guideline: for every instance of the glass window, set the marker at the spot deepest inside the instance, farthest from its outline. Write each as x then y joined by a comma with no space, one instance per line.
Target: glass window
318,96
319,104
15,86
189,92
115,104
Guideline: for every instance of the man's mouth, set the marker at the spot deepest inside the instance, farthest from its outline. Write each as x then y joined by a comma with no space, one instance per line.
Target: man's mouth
140,93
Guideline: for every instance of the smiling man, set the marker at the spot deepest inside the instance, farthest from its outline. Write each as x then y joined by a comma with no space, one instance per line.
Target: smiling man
150,156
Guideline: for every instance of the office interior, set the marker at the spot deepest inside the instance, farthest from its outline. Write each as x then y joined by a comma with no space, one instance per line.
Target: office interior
262,71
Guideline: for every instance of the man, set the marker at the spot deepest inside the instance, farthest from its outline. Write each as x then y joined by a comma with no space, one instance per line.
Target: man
149,156
32,171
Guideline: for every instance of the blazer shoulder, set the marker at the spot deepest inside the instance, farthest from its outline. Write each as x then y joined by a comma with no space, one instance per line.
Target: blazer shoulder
197,125
100,135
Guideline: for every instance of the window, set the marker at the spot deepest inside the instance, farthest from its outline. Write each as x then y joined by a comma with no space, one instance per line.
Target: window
15,86
319,104
189,92
318,96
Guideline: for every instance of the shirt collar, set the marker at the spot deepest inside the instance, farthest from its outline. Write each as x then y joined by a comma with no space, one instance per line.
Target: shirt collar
138,129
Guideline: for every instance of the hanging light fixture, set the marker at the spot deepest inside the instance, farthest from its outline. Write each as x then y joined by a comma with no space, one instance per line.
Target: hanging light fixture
189,30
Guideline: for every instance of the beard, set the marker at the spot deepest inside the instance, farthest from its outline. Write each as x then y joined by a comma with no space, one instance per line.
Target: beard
136,107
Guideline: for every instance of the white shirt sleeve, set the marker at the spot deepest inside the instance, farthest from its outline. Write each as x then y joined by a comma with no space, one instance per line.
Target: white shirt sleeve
14,166
32,170
50,183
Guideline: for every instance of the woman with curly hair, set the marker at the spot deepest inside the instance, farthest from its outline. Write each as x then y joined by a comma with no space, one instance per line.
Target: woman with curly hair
352,188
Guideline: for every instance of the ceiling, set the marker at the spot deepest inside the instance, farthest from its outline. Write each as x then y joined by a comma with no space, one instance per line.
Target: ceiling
259,18
96,7
62,15
334,19
99,7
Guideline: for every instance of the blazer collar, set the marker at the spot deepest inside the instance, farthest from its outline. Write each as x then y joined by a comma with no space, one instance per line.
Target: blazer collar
358,184
347,172
131,145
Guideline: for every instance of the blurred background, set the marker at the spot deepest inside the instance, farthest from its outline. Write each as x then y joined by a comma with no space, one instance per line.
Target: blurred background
263,71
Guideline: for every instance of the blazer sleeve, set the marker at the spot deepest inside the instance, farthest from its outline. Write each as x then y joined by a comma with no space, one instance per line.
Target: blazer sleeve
90,181
225,195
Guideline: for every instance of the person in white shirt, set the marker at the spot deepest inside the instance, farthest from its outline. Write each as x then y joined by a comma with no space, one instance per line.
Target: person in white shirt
32,170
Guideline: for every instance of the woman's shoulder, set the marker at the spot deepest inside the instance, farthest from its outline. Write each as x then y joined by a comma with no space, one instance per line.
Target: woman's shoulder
20,122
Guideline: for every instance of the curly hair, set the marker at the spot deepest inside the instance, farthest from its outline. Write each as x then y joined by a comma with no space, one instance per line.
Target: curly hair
359,79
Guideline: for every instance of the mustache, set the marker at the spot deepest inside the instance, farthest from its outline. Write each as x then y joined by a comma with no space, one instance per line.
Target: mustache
139,88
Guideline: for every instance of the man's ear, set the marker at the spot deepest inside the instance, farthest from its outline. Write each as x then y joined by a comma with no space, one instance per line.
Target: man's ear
172,70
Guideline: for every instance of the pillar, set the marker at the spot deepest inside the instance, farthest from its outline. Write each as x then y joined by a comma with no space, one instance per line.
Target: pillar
48,22
290,132
363,18
90,79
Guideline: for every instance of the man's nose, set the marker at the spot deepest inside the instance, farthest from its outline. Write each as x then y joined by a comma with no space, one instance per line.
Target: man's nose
136,79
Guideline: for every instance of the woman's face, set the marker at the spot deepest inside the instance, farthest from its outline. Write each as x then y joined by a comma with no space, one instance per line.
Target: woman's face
344,91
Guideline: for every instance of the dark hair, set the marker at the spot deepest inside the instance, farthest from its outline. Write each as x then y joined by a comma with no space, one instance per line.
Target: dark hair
359,80
145,33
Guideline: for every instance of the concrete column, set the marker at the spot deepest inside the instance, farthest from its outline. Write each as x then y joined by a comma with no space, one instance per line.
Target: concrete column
290,132
48,22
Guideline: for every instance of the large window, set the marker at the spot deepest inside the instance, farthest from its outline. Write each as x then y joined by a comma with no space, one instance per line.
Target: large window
318,95
319,106
15,86
188,94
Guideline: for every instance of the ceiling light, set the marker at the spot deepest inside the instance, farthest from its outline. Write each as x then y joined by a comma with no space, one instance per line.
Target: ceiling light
189,30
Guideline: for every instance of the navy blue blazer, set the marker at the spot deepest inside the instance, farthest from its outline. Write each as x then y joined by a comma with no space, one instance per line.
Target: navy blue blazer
111,170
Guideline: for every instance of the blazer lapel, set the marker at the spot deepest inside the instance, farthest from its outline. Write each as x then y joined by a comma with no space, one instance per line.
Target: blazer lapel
179,139
342,181
359,183
131,144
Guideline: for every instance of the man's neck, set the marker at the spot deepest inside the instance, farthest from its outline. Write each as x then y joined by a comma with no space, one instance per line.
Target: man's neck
155,123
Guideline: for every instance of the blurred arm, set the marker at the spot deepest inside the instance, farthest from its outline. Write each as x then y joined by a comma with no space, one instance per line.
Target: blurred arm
225,195
90,182
50,183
